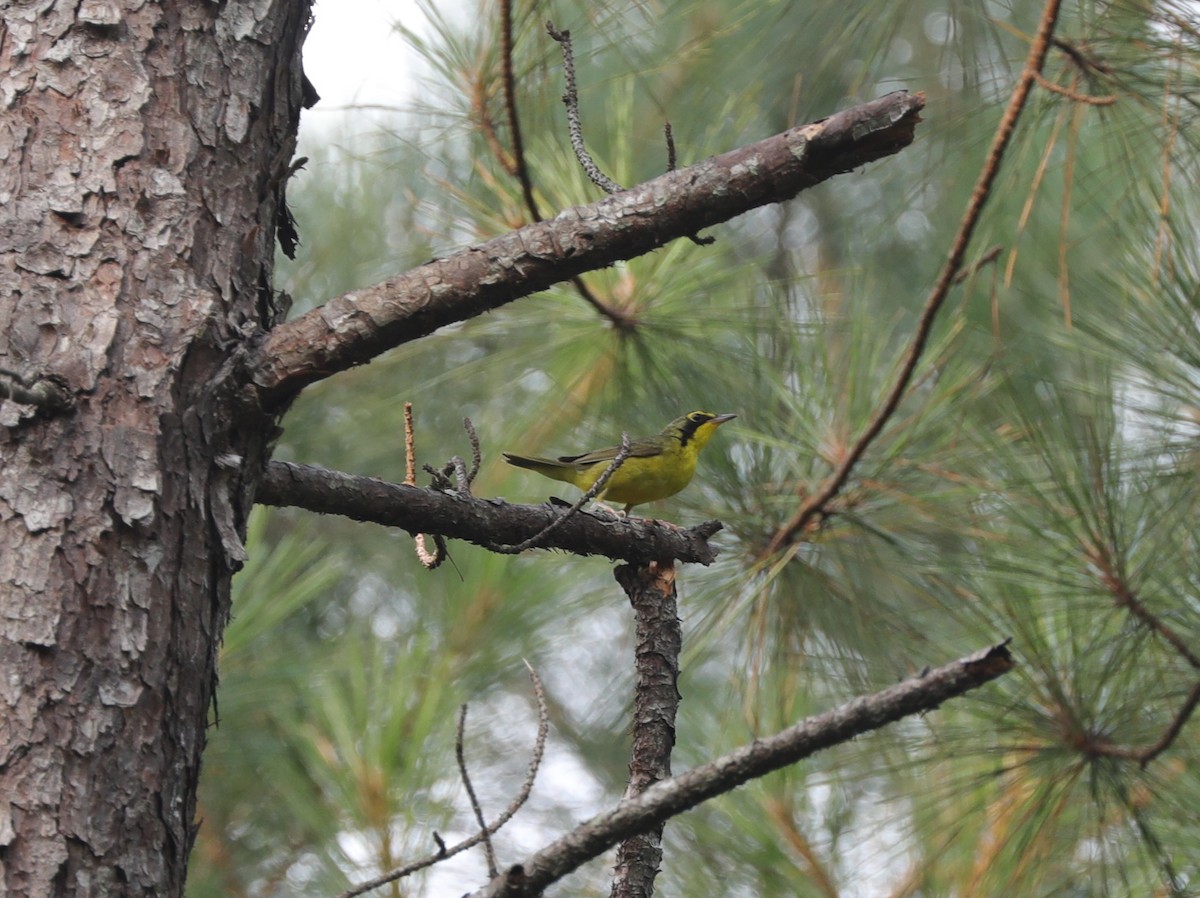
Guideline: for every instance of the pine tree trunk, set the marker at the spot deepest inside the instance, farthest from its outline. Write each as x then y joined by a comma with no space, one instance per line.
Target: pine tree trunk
142,147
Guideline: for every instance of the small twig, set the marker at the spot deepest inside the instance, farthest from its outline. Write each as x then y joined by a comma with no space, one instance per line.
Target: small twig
430,560
571,101
1143,756
461,474
813,507
410,447
479,107
516,163
1125,597
460,754
1172,732
1081,59
671,160
973,269
1087,99
476,452
593,491
535,761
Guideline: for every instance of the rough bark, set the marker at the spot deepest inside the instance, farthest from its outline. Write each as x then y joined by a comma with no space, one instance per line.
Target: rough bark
484,522
141,147
651,591
352,329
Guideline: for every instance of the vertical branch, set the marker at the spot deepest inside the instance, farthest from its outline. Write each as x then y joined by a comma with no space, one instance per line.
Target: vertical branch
651,591
510,108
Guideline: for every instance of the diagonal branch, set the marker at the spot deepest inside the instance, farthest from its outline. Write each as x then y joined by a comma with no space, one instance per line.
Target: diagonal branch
814,506
352,329
487,830
671,797
457,515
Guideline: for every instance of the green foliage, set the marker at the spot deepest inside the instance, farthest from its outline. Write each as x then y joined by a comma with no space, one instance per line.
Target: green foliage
1038,481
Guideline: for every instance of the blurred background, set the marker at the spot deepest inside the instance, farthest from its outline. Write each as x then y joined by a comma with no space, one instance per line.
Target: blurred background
1038,481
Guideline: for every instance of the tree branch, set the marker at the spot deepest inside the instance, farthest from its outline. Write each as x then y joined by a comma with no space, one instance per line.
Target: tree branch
488,830
651,591
813,508
480,521
354,328
673,796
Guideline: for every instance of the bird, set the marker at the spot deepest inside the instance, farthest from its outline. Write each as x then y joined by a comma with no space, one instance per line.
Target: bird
656,467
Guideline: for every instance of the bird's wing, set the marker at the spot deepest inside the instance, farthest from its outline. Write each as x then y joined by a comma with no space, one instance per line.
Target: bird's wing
637,449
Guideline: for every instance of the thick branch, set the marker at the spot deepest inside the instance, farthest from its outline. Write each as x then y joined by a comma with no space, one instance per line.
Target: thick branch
352,329
651,591
760,757
484,522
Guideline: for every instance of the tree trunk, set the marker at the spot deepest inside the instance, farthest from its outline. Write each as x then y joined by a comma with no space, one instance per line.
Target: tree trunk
142,149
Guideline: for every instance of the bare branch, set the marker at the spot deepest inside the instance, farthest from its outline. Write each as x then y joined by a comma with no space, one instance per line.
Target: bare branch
1074,96
990,256
352,329
460,755
673,796
510,108
571,101
434,559
651,591
813,508
1144,756
1125,597
479,521
535,761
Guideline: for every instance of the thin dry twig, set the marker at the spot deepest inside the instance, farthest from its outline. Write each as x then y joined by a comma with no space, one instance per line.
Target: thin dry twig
483,117
1143,756
1125,597
434,559
814,506
1073,95
463,479
1080,58
535,762
510,108
592,492
460,755
516,163
973,269
571,101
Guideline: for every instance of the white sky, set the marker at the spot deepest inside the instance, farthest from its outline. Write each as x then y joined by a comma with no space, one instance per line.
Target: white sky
353,55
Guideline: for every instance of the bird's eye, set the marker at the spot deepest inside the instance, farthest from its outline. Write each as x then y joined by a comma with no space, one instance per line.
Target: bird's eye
699,417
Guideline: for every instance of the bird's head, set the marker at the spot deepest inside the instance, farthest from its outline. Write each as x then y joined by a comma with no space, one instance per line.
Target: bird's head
696,427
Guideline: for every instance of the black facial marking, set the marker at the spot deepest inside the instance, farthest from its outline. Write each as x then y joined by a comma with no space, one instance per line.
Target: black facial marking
694,420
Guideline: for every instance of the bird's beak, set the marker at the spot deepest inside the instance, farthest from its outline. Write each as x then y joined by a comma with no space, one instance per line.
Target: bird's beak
721,419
